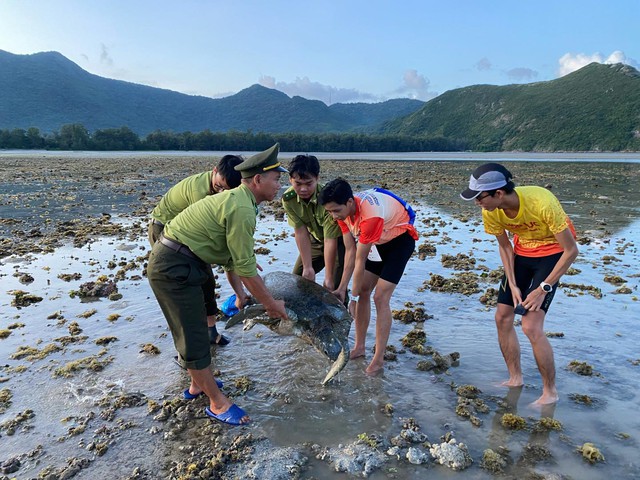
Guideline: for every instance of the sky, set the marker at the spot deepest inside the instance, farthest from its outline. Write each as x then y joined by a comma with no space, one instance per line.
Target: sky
331,50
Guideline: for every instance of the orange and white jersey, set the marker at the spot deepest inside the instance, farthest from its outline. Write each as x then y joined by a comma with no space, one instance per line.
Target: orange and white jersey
380,217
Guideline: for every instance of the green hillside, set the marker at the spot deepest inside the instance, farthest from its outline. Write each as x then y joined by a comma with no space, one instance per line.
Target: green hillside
46,91
373,114
596,108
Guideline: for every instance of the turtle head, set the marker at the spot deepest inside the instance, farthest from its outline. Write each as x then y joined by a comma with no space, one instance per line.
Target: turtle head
338,364
327,342
334,347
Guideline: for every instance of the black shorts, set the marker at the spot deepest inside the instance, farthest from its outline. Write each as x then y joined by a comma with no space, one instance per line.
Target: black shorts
395,254
529,272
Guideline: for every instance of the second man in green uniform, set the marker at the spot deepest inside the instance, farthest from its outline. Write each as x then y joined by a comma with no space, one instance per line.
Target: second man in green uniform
187,192
318,236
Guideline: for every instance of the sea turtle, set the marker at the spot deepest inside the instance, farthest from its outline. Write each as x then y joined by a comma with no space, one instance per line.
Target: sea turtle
315,315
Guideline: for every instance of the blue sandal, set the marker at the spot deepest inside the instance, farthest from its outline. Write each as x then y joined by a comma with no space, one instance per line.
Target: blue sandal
233,416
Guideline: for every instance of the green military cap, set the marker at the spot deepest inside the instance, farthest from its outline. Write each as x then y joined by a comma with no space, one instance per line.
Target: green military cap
261,162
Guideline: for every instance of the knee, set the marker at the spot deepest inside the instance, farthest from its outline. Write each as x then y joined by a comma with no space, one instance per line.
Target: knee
533,332
365,291
381,300
504,320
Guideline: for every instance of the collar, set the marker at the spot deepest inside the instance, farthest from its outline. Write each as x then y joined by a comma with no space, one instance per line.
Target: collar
356,215
211,190
249,193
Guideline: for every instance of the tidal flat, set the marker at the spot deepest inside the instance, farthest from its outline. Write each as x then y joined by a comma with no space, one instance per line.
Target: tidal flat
89,389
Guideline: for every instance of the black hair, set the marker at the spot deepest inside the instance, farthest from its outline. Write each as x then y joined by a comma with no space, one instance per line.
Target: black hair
337,190
305,166
225,168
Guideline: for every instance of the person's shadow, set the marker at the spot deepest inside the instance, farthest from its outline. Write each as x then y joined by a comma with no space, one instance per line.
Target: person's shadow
499,435
536,449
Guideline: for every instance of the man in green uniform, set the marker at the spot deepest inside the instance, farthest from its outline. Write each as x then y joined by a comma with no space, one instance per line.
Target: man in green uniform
217,230
180,196
318,235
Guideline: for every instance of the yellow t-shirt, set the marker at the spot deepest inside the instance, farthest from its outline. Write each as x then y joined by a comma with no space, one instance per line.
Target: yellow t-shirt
540,217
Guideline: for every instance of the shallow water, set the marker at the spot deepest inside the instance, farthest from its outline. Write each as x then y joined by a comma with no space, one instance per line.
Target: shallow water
286,401
630,157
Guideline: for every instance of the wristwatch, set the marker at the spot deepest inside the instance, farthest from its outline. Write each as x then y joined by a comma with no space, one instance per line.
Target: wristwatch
545,287
355,298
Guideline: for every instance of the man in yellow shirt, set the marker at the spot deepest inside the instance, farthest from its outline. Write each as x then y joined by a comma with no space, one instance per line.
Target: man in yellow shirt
543,249
215,230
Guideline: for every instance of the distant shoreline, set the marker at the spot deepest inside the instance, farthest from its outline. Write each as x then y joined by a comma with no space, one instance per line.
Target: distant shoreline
607,157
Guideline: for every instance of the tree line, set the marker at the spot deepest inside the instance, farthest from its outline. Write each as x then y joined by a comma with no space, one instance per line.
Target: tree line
77,137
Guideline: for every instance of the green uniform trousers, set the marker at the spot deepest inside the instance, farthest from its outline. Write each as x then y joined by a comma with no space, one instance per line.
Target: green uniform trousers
178,283
209,289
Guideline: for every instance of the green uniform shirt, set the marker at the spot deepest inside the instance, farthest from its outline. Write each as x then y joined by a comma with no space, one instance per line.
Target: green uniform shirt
310,214
219,229
181,195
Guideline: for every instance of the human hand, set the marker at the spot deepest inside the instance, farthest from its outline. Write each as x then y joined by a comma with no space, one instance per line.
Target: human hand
534,300
340,294
241,300
277,310
309,274
328,284
516,295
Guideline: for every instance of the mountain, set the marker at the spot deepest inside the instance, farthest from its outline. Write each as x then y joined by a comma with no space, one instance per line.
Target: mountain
594,108
372,114
47,90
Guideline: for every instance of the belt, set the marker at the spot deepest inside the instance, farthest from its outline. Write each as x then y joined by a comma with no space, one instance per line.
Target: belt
178,247
157,222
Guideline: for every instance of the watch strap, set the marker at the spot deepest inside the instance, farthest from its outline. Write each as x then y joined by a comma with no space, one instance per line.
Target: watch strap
546,287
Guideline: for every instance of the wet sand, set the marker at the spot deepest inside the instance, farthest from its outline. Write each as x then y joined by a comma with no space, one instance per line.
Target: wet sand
98,394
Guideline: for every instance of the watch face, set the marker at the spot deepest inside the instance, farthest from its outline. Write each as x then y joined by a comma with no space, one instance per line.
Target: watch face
546,287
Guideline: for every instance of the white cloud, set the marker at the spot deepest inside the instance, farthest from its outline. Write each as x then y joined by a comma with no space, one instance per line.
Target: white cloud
571,62
306,88
415,86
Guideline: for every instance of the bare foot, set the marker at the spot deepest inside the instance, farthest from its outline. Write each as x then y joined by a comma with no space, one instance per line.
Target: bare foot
356,353
545,399
374,369
512,382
